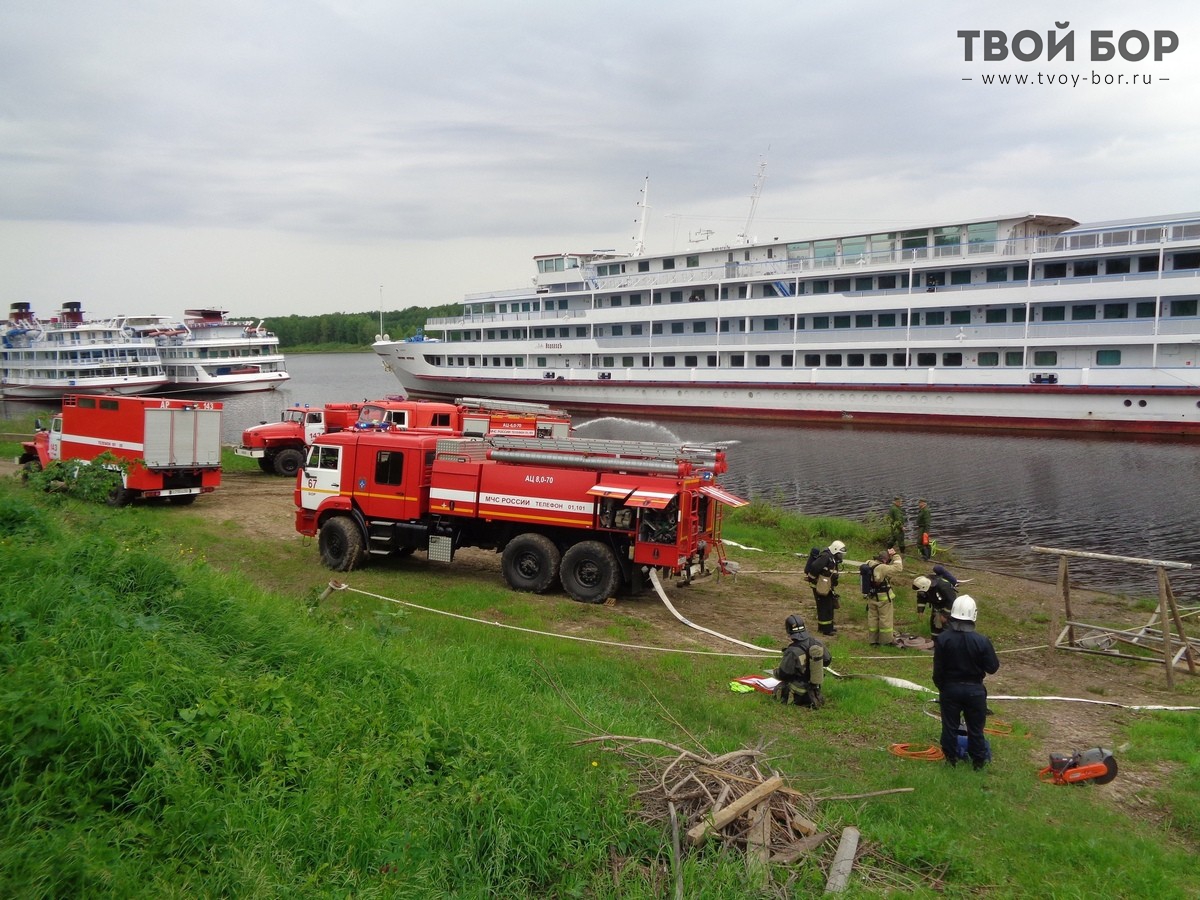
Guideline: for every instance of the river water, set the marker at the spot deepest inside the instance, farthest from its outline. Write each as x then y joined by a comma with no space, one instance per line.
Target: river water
992,495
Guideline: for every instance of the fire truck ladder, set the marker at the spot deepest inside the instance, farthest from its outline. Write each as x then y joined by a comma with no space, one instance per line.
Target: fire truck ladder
506,406
632,456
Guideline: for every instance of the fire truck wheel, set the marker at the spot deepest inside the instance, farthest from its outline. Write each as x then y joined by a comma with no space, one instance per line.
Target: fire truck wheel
530,563
341,544
267,464
119,496
288,462
589,572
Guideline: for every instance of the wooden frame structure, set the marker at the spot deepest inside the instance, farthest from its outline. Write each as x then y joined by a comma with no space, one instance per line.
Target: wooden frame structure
1153,639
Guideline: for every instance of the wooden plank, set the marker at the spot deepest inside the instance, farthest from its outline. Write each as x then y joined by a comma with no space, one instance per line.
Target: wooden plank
699,833
843,861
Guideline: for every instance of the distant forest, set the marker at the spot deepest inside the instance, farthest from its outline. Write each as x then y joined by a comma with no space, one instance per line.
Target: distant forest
343,329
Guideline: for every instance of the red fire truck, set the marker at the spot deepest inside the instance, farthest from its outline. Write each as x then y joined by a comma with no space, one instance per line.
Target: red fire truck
280,446
595,515
172,447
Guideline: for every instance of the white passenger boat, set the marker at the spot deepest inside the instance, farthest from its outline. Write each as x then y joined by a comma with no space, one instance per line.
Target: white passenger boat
68,355
209,352
1023,321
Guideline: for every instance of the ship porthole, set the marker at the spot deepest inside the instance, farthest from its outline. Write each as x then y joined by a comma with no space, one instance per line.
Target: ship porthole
1141,403
1129,403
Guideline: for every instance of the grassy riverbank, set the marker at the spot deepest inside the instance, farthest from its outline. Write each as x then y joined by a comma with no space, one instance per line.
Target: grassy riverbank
183,716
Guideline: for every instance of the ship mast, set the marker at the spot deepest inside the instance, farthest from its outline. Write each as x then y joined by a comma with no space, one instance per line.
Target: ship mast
754,195
639,243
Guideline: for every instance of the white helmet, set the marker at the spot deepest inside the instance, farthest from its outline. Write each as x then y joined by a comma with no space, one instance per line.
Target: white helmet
921,584
964,608
837,547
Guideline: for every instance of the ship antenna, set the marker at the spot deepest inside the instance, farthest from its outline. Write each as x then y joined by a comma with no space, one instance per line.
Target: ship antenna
754,195
639,242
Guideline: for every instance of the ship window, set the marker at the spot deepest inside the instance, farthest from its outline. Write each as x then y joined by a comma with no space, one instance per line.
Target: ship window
824,249
668,264
1014,358
1085,268
821,286
676,328
863,284
635,299
887,282
840,285
691,361
389,467
1045,357
862,320
636,329
627,362
900,360
693,262
997,273
608,361
504,334
711,360
927,359
656,327
762,360
580,331
537,333
676,296
1018,314
856,359
1054,313
989,358
742,292
914,240
1116,310
618,330
615,301
820,321
960,317
787,360
887,320
643,265
1186,261
1054,270
1147,263
1178,308
699,327
879,359
724,292
812,360
841,321
723,326
1117,266
1108,357
935,317
737,360
995,317
655,298
946,236
668,362
1083,312
541,362
833,359
770,324
960,276
1145,309
952,359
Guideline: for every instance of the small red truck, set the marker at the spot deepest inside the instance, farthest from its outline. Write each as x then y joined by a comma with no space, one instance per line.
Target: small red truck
172,448
593,515
280,446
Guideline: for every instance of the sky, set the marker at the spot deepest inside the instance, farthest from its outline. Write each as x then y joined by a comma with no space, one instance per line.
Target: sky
272,157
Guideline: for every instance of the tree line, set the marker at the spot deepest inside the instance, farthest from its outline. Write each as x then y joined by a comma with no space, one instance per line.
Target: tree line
353,329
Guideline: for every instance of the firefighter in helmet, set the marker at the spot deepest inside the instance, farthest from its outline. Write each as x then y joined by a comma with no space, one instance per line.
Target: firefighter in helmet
939,595
802,669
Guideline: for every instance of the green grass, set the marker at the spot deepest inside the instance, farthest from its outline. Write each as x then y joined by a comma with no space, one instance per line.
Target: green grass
173,728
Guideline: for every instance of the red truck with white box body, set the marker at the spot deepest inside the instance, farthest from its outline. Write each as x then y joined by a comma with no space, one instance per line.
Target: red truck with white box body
595,515
171,448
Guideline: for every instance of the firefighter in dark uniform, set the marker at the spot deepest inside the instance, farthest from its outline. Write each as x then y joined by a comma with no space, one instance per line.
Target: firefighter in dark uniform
801,672
824,579
962,658
939,595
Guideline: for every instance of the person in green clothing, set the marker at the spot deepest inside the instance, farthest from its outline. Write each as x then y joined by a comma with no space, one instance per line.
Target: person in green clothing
896,521
924,518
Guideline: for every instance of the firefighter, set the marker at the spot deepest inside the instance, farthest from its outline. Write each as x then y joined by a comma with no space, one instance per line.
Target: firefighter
881,612
823,574
802,669
938,594
962,658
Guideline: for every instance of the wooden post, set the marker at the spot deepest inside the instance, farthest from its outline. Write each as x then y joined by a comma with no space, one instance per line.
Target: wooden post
1164,620
843,861
1064,588
1188,653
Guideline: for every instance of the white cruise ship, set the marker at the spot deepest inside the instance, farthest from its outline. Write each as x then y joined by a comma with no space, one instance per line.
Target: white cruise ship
68,355
209,352
1022,321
